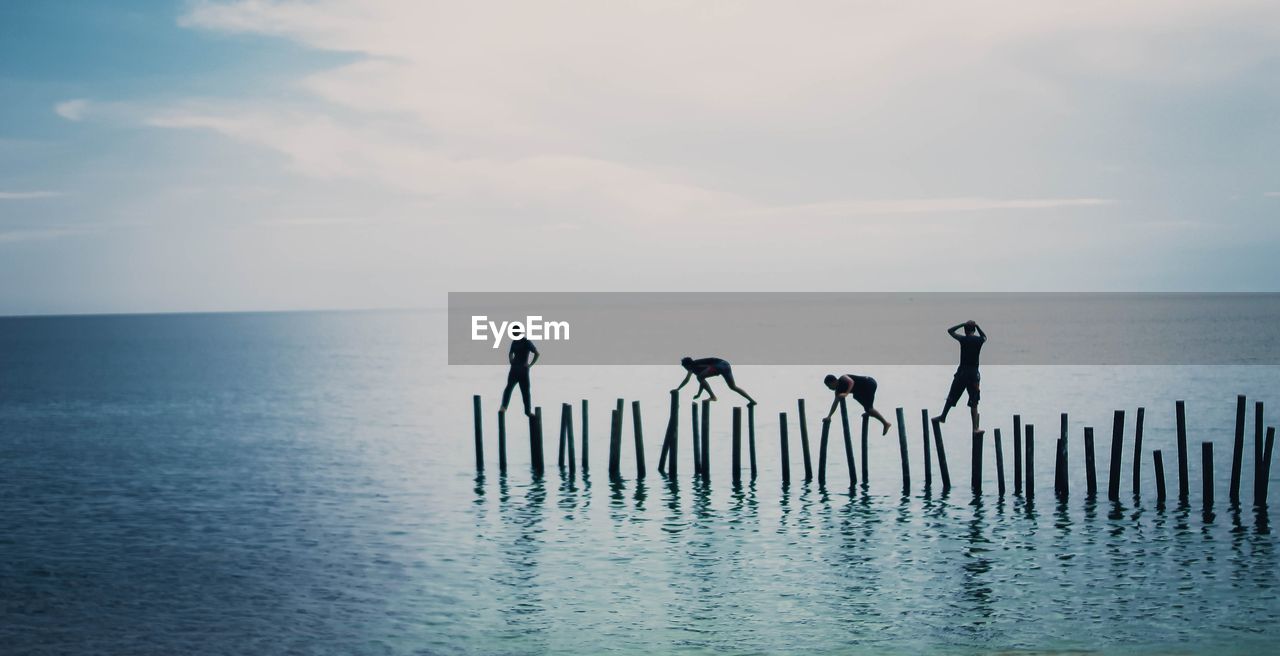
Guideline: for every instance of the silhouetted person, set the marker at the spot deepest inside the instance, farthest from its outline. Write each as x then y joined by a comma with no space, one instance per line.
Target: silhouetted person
519,374
705,368
967,376
862,389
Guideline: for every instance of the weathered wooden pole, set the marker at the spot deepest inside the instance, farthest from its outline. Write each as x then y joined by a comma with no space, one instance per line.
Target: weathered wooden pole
848,445
697,440
1237,451
567,421
786,448
1266,463
1117,444
976,465
1183,480
736,470
1257,455
1017,454
475,406
822,452
928,460
666,435
1090,470
502,442
585,444
615,443
865,476
1029,487
903,453
804,442
1159,462
560,445
1206,461
706,441
751,438
638,430
1137,456
535,441
999,464
1060,470
673,453
942,455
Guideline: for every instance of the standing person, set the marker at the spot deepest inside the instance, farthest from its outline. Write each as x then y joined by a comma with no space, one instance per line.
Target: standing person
862,389
518,356
705,368
967,376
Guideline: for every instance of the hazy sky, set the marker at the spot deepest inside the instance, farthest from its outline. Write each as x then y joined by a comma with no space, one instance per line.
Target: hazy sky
160,156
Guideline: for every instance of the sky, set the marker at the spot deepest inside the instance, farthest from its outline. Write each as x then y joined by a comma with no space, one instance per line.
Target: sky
160,156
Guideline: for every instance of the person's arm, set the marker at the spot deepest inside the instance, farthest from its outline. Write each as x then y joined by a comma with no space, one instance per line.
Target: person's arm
536,354
687,376
703,387
952,330
511,354
836,403
981,334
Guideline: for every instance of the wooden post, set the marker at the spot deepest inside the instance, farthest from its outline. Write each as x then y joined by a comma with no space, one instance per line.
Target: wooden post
822,452
1159,476
560,445
942,455
1257,455
902,452
666,435
566,420
502,442
535,440
706,441
1237,452
786,448
804,442
865,420
1117,443
1090,471
999,464
1017,454
848,445
673,453
1060,470
751,438
638,429
1029,488
615,443
1183,483
697,440
1266,463
475,407
1137,456
736,470
1206,460
976,465
585,445
928,461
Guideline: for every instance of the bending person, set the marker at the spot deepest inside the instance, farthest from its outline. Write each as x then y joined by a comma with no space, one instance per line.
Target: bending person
862,389
705,368
967,378
518,356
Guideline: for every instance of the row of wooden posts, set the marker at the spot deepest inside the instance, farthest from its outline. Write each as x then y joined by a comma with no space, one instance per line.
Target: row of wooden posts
1023,450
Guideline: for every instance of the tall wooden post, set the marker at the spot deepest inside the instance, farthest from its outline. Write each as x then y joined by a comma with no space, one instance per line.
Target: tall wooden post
804,441
786,448
1090,470
902,452
999,463
1237,452
475,406
638,430
1183,479
942,455
751,438
928,461
848,445
1137,456
1117,445
736,470
1017,454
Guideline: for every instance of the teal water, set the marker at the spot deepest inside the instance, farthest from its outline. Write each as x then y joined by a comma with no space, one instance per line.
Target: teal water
305,483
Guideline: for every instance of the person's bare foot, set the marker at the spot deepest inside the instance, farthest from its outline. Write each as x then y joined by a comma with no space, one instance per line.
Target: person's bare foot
940,419
886,428
979,432
712,398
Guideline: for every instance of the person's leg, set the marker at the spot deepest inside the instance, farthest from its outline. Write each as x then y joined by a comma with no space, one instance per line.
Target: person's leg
524,392
974,395
872,412
727,373
953,397
704,387
506,393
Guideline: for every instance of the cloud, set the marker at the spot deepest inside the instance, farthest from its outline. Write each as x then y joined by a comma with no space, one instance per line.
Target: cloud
27,195
73,110
927,206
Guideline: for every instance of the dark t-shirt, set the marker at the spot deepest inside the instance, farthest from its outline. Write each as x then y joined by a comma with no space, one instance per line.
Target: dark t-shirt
520,351
970,345
860,383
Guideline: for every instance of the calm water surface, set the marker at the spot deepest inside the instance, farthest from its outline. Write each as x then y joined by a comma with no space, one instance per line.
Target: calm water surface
305,483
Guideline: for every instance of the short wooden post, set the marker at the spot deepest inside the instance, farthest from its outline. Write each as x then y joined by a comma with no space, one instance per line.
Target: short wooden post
999,464
1090,471
786,448
673,453
1117,444
942,455
1137,456
566,420
1183,480
535,441
751,438
706,440
1258,448
475,406
1237,451
1206,460
848,445
615,443
804,441
666,435
976,465
902,452
1159,463
1017,454
736,470
585,444
560,444
822,451
1029,449
928,460
865,420
502,442
638,430
1060,460
697,440
1266,463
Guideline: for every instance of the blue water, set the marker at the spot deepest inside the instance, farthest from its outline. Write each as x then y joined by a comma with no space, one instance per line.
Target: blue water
305,483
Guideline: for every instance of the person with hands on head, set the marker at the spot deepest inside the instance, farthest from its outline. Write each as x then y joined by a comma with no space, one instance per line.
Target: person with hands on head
862,389
966,378
705,368
518,356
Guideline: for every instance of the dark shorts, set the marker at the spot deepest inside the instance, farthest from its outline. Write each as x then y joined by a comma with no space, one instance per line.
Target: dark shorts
865,393
725,372
965,380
